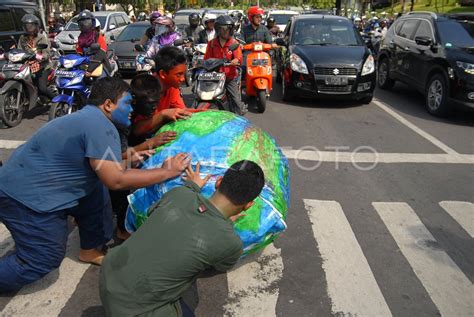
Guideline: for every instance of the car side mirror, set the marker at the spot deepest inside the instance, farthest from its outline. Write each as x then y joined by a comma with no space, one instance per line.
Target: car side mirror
280,42
423,40
112,27
42,46
61,29
139,48
112,37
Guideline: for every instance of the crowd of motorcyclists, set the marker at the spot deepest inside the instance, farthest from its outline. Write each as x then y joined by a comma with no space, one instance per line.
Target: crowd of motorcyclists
161,33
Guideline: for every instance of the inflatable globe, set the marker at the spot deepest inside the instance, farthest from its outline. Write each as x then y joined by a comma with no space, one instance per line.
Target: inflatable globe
217,139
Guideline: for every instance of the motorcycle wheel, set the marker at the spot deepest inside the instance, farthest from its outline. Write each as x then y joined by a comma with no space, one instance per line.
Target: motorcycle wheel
57,110
261,101
8,114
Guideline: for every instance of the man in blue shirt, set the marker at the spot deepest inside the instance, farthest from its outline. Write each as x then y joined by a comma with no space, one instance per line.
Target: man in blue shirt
61,171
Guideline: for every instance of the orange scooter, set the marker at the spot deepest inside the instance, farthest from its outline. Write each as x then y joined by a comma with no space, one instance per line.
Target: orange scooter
259,75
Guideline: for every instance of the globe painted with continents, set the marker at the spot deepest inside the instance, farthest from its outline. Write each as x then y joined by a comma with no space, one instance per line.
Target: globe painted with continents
217,139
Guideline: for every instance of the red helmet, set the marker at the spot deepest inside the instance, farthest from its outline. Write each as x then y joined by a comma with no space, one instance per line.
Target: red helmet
254,11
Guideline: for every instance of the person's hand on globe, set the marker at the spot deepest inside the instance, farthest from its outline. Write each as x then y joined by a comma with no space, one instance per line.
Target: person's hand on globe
174,114
161,139
194,176
177,164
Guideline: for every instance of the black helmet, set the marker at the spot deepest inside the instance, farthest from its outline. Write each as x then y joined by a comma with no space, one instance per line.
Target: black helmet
194,19
86,20
225,21
30,18
271,20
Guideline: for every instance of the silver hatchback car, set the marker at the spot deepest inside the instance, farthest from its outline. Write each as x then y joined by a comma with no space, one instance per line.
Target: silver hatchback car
112,23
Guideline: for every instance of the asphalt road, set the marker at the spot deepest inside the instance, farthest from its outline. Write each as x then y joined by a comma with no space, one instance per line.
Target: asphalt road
381,220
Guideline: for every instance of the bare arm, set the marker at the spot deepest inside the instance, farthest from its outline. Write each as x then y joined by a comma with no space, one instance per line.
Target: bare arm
159,119
115,177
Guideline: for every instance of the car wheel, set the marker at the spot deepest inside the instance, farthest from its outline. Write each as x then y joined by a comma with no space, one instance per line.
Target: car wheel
436,96
286,95
383,75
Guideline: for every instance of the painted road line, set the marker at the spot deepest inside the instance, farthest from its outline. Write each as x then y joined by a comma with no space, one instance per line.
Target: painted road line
462,212
451,291
6,241
253,285
10,144
351,284
376,158
48,296
413,127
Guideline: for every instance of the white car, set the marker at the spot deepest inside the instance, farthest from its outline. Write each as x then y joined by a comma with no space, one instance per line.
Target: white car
112,23
282,17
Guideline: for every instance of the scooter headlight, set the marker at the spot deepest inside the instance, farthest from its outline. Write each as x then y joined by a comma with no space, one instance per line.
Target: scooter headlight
25,72
68,63
76,80
14,58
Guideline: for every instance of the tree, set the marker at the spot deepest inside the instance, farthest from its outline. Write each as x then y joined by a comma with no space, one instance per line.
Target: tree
130,5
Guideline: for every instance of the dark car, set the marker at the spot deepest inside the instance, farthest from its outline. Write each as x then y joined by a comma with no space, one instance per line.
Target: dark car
11,12
124,45
325,57
433,53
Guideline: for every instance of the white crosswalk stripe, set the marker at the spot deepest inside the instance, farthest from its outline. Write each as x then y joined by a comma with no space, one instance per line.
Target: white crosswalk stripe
351,284
254,285
462,212
449,288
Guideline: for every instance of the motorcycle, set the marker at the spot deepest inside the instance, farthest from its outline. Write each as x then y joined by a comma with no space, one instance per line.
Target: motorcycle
74,84
18,94
209,86
258,79
143,63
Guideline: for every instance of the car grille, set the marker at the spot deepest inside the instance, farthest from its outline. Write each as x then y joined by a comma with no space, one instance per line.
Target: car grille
335,89
329,71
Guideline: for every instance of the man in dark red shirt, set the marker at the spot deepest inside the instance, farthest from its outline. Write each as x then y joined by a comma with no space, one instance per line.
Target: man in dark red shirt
219,48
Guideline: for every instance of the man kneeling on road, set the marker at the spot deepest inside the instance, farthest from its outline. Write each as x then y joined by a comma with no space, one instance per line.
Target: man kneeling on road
184,235
62,171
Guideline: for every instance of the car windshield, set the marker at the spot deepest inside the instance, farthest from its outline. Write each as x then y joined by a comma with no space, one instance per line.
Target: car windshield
73,26
282,18
457,33
218,12
132,33
325,32
184,13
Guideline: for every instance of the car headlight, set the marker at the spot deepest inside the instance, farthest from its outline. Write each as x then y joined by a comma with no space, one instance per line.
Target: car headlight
466,67
298,65
369,66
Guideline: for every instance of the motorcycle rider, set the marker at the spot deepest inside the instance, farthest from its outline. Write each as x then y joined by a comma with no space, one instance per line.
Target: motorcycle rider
194,27
150,32
219,48
89,35
255,31
272,27
29,43
165,35
209,32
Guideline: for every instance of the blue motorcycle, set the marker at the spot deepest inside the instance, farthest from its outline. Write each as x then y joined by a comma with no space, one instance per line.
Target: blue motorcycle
71,84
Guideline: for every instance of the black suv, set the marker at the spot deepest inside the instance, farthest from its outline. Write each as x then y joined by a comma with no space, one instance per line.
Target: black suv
435,54
11,12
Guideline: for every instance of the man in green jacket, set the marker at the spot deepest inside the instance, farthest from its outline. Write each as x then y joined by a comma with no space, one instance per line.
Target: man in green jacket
184,235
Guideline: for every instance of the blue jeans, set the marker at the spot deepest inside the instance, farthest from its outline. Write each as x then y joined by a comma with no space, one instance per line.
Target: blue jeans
40,238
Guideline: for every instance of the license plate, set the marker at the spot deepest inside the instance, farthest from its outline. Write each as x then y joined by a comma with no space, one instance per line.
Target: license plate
128,64
336,81
12,66
210,76
259,62
64,73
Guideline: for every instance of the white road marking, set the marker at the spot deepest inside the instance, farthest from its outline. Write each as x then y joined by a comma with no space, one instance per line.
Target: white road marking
48,296
6,241
351,284
10,144
375,158
451,291
253,286
413,127
462,212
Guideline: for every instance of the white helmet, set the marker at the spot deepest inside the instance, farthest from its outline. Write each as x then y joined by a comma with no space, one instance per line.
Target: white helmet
357,19
97,23
208,17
